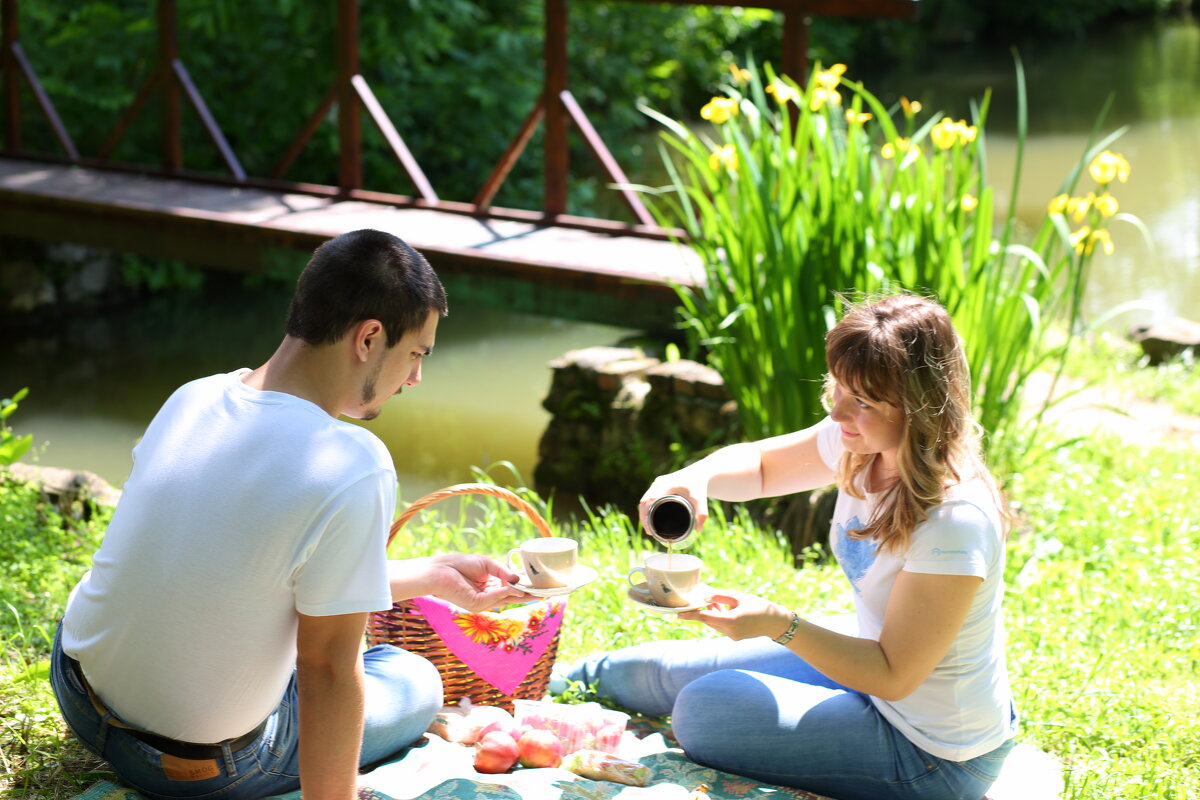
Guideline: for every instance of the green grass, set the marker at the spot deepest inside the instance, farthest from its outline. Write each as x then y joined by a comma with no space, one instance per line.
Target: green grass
43,554
1118,363
1102,614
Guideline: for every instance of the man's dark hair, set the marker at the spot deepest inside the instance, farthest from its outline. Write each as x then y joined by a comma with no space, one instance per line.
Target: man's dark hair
364,274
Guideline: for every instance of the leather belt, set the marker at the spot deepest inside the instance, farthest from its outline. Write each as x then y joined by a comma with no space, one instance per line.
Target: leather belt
174,747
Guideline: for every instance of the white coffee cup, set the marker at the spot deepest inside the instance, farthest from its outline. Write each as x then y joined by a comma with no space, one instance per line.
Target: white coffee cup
668,579
547,561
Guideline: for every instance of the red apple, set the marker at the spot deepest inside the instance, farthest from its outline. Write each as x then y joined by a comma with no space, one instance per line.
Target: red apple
540,748
496,752
503,725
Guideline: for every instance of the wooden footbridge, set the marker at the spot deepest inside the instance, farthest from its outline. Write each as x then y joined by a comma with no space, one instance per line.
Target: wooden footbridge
542,260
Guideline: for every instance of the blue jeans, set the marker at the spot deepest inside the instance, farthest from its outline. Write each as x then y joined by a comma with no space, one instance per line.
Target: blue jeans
754,708
403,694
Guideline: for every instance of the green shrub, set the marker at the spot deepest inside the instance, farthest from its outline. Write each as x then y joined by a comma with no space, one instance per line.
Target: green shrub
12,447
43,555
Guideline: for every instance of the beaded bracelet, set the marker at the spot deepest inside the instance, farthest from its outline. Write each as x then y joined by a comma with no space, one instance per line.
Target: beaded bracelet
787,635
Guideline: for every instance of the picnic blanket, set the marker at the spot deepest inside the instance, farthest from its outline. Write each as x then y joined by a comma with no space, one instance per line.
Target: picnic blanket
441,770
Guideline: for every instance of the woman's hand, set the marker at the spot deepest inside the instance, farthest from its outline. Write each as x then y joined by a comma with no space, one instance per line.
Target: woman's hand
742,616
693,489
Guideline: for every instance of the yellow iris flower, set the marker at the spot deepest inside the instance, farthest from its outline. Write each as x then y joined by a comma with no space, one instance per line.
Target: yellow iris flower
969,202
724,156
1084,240
943,135
1107,205
719,110
948,133
1078,207
740,74
856,117
911,107
783,93
1109,166
821,96
830,78
901,145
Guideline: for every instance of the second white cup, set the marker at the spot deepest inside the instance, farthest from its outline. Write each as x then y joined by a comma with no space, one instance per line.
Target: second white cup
547,561
669,579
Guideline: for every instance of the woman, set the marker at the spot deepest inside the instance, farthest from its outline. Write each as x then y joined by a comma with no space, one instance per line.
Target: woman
915,703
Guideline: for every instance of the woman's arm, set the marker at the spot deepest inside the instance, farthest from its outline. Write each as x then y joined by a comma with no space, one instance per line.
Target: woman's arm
924,615
746,471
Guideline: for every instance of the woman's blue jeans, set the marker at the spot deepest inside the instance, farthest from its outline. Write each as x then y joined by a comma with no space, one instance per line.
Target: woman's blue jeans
403,694
754,708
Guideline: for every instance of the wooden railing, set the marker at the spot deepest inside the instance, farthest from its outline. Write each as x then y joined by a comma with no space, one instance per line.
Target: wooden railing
556,108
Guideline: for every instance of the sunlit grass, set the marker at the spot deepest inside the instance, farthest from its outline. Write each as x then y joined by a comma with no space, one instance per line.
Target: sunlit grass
38,757
1119,364
1103,623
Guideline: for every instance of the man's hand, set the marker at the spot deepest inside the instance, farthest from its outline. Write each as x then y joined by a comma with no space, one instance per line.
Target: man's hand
472,582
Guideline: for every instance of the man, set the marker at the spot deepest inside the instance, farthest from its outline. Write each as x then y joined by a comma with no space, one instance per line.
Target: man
215,645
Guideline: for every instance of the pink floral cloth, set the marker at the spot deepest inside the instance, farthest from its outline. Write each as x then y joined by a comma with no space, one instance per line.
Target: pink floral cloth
499,646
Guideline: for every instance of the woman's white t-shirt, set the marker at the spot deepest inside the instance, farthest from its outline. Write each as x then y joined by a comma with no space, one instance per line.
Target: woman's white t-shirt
964,708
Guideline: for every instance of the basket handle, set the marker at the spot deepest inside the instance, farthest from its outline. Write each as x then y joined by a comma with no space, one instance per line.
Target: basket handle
471,488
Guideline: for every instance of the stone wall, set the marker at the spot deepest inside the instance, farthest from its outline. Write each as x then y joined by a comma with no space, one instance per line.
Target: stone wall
35,276
619,419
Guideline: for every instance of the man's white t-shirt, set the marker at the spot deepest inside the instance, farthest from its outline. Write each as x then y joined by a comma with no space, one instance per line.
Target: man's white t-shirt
243,508
964,708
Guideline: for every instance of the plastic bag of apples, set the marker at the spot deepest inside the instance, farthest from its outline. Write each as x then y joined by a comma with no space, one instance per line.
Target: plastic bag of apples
582,738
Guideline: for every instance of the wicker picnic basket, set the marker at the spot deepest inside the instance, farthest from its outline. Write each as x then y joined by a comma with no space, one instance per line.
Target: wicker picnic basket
406,627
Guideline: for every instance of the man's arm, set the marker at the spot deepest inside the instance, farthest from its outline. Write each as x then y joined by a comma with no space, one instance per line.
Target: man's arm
469,581
329,681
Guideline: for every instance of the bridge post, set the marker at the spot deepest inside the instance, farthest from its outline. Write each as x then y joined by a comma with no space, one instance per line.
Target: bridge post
171,116
12,79
556,155
794,61
348,114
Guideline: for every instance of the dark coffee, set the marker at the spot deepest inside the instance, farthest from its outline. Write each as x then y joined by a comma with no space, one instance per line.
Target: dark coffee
670,519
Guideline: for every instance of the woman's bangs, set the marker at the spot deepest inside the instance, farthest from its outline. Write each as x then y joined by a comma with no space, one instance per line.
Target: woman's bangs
867,377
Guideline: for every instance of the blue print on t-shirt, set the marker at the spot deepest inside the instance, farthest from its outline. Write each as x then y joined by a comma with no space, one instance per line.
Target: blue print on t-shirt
855,555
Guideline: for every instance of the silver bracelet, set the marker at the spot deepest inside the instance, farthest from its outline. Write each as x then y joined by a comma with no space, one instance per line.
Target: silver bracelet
787,635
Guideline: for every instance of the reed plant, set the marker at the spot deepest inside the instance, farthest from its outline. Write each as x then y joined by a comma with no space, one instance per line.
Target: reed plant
799,198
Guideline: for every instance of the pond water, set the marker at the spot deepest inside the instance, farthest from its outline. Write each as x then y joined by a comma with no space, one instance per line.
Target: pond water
1151,69
95,383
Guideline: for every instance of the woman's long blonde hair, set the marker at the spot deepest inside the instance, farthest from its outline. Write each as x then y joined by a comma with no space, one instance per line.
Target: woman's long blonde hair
903,350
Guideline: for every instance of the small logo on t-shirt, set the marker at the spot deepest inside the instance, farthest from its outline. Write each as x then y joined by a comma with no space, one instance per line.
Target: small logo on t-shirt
937,551
855,555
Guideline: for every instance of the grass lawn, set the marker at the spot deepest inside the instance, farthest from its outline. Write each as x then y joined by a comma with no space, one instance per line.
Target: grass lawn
1102,610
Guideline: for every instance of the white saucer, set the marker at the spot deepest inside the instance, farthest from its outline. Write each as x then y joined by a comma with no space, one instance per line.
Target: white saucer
650,605
581,577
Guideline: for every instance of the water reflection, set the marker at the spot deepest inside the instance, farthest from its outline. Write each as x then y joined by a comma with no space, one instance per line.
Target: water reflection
1152,72
96,382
